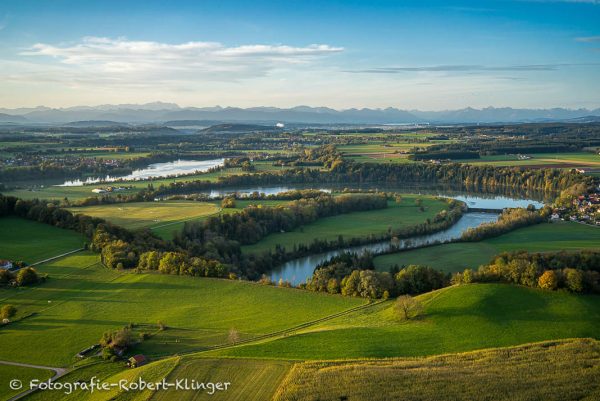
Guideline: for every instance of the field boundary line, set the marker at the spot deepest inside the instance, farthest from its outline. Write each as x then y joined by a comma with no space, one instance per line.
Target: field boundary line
289,330
57,257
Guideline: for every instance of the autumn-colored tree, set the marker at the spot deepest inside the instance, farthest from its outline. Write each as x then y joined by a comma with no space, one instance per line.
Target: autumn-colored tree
548,280
407,307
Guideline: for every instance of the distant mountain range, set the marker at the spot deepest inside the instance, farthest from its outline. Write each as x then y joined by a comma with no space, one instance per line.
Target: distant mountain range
159,112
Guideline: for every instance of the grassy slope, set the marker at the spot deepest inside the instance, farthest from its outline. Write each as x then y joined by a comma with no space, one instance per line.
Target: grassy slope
458,256
85,298
555,371
357,224
456,319
31,241
251,380
8,373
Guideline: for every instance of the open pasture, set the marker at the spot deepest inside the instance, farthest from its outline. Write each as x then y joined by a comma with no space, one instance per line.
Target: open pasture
355,225
81,296
31,242
455,319
459,256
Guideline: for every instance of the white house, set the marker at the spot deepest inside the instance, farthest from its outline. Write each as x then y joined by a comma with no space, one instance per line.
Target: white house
6,264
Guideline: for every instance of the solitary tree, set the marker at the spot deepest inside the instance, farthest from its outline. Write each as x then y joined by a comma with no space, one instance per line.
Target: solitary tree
234,336
407,307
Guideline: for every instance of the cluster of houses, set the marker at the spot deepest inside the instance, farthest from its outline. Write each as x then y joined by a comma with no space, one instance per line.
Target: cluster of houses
585,209
108,189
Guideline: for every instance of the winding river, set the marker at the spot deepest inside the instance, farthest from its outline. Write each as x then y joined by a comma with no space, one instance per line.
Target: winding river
298,270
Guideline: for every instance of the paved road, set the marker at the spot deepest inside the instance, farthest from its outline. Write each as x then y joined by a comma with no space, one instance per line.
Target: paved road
58,372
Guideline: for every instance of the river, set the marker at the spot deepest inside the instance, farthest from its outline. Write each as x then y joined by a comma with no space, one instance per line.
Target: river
156,170
298,270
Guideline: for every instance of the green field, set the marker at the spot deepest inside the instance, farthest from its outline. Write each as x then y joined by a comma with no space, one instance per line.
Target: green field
459,256
355,225
86,298
167,231
456,319
32,242
554,371
25,375
582,159
149,214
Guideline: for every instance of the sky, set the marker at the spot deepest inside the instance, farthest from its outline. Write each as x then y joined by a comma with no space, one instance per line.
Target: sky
427,55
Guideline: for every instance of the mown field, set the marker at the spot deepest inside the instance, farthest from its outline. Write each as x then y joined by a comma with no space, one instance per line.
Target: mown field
456,319
32,242
355,225
459,256
85,298
149,214
558,160
551,371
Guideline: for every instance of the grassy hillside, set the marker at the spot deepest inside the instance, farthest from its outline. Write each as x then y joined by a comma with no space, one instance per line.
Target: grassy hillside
251,380
458,256
354,225
456,319
85,298
30,241
553,371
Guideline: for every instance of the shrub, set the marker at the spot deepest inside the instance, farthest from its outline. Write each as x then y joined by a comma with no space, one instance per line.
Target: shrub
548,280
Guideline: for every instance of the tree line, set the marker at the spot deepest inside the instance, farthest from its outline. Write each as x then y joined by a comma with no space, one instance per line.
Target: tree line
509,220
352,274
574,271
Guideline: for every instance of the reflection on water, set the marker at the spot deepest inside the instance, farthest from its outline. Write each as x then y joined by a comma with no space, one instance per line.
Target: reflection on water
298,270
474,200
156,170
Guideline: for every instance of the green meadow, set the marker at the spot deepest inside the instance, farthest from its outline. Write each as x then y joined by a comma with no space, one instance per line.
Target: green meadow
83,297
583,159
355,225
32,242
149,214
459,256
455,319
25,375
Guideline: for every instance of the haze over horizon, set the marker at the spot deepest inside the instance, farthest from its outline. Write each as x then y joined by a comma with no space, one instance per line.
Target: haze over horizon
427,55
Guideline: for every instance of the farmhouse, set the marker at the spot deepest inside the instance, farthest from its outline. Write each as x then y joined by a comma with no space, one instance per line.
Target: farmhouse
137,360
99,190
6,264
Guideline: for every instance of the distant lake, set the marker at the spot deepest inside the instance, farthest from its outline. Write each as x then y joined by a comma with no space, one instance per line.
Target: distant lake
156,170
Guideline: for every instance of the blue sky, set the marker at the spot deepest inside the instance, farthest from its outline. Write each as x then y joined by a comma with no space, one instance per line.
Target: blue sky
408,54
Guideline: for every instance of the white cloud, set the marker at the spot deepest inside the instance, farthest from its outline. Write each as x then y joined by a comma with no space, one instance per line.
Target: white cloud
120,58
588,39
